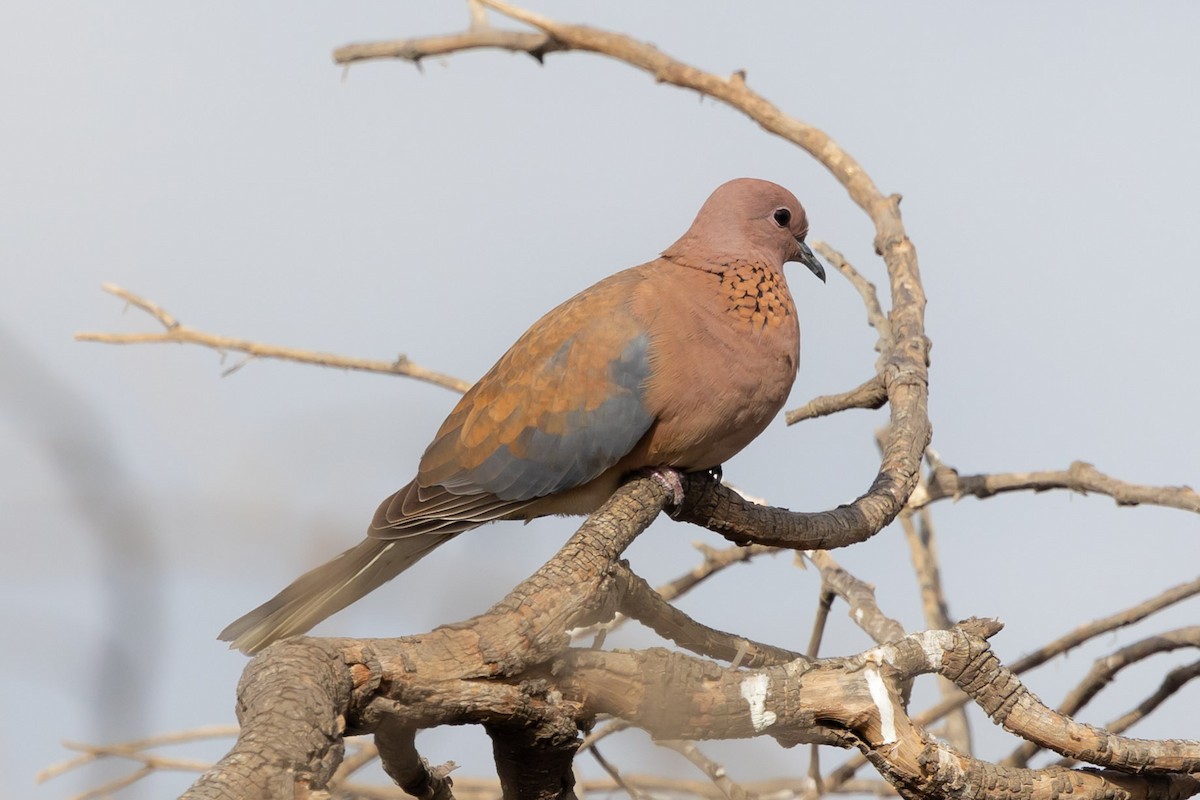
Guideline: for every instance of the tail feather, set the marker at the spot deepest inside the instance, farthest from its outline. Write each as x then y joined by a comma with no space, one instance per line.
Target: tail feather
330,587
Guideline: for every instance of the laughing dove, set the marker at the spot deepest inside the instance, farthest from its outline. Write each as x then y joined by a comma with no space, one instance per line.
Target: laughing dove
679,363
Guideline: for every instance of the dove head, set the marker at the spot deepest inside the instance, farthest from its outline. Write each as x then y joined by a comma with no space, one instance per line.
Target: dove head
748,220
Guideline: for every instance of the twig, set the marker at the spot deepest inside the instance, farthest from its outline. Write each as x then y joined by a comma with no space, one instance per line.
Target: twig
609,728
1102,626
870,394
866,290
117,784
728,788
824,604
536,45
176,333
614,773
918,531
639,601
714,561
131,748
1081,477
859,595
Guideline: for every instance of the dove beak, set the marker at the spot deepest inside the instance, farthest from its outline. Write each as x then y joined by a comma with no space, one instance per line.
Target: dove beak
808,259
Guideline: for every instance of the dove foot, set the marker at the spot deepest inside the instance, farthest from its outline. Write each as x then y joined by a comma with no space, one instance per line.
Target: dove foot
671,480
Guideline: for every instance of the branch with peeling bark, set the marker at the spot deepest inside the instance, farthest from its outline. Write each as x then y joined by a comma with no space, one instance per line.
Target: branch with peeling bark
847,702
538,695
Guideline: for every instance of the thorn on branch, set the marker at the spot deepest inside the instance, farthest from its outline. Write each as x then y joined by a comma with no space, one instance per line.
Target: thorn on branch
153,309
227,372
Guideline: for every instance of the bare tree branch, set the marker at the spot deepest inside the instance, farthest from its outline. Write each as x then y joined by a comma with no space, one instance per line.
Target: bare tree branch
876,318
639,601
1080,477
870,394
1063,644
729,789
135,749
177,333
1101,675
1172,683
859,595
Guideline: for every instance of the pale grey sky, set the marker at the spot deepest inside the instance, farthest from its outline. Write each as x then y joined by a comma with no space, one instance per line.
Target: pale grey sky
211,157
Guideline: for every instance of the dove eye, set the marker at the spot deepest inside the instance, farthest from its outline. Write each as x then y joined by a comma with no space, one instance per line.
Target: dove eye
782,217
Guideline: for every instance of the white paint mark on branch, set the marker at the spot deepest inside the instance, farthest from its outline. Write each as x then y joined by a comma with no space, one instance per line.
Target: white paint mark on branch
935,646
879,693
754,689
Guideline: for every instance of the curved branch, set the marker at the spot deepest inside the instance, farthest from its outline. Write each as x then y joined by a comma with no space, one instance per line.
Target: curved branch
903,363
1101,675
1171,683
1063,644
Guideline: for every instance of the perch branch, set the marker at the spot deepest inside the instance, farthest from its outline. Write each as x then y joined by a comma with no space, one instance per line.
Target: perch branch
903,363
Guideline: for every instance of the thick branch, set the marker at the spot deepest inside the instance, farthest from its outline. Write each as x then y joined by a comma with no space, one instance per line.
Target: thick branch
1063,644
397,749
292,726
845,702
714,561
301,691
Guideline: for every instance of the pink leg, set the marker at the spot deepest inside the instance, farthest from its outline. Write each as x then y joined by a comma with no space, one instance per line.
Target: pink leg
670,480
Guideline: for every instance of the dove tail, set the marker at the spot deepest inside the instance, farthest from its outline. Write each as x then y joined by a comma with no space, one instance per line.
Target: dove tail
329,588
